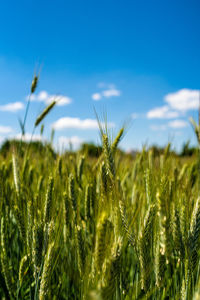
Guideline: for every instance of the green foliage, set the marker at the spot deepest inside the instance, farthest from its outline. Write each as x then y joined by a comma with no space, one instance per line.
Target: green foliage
187,150
36,146
91,150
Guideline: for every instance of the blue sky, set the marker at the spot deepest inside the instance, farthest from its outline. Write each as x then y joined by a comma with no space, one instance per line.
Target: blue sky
138,61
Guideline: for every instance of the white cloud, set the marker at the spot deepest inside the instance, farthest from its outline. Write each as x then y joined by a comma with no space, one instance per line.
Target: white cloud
158,127
162,112
65,142
183,100
61,100
175,124
110,91
178,104
103,85
178,124
43,96
5,129
12,107
64,101
96,96
67,122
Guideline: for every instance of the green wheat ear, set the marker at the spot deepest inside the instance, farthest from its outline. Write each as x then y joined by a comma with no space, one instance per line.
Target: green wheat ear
102,243
148,186
194,235
124,219
38,243
29,231
145,246
160,265
6,267
48,202
117,140
46,274
88,195
109,157
48,210
66,205
80,245
23,268
113,278
45,113
34,83
183,290
80,168
72,195
178,239
20,222
104,178
15,173
160,258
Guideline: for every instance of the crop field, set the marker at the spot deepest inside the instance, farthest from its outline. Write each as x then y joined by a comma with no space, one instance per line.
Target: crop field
111,226
73,227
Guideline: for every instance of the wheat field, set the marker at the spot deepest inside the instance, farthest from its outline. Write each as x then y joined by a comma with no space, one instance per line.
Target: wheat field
112,227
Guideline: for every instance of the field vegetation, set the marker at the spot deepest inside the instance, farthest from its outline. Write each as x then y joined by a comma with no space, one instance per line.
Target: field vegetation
102,226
